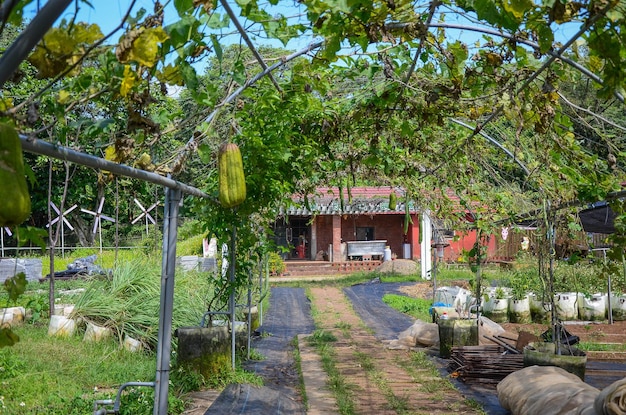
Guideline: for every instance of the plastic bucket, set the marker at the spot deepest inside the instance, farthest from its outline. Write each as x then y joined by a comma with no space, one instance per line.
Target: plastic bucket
519,311
497,309
387,254
539,309
592,308
61,326
132,345
566,306
254,317
12,315
456,332
94,333
618,307
7,318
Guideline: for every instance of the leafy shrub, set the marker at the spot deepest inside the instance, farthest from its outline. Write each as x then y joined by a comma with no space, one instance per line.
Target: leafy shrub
276,264
579,277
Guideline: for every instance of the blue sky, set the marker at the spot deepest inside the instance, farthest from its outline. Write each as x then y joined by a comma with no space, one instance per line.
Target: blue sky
108,14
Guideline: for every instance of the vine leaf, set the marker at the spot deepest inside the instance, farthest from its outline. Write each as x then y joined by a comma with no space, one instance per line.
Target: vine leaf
171,75
63,46
7,337
145,48
15,286
63,96
517,7
128,81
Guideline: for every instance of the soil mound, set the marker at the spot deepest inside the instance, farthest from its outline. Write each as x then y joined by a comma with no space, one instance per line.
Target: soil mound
399,266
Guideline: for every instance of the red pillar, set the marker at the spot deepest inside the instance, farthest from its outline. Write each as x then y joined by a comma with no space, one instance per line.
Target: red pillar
414,236
337,239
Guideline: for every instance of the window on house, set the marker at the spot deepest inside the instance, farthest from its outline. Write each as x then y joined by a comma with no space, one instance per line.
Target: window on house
365,234
447,233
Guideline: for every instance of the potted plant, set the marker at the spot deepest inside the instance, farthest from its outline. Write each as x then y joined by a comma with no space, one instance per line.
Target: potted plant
497,306
519,303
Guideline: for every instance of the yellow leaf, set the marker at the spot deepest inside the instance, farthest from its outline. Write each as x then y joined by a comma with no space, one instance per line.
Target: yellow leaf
62,46
146,47
6,103
595,64
110,154
170,75
517,7
129,80
63,96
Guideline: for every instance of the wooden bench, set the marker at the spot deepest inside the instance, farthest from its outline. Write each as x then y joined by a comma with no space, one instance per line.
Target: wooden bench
366,249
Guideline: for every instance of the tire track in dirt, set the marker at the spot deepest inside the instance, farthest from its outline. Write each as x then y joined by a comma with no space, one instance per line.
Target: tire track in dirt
383,381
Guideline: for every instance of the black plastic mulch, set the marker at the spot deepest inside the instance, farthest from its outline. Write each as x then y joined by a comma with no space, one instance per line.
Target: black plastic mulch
289,315
388,323
367,301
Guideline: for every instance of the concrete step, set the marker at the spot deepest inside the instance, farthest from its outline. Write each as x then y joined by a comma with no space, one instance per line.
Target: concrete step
304,268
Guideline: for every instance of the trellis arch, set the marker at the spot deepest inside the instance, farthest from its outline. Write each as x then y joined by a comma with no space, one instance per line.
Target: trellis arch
52,10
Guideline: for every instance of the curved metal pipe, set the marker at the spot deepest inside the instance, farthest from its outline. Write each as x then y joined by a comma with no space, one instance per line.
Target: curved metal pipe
36,146
494,142
526,42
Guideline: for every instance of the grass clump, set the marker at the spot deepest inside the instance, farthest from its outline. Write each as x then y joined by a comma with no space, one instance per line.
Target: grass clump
601,347
128,302
415,307
322,341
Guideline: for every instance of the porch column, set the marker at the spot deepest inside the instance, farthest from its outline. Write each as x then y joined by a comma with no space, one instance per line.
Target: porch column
337,238
313,243
425,251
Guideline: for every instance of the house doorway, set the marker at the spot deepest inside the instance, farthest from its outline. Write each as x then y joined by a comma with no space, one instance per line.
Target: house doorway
294,234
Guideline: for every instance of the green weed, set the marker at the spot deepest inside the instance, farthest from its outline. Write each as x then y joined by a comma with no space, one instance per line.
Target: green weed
415,307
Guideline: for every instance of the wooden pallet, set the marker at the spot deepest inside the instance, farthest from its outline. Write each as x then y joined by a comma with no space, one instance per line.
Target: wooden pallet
487,364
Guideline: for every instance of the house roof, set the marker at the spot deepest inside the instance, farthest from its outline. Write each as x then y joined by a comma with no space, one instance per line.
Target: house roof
598,218
358,201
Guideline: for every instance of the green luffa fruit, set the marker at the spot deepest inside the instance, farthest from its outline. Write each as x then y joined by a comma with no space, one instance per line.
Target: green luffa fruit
392,201
15,200
232,181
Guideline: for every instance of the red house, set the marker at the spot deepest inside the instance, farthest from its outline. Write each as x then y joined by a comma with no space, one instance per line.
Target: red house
340,227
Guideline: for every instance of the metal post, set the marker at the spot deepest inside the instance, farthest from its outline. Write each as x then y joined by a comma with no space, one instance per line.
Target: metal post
263,269
434,273
249,319
425,249
233,257
168,267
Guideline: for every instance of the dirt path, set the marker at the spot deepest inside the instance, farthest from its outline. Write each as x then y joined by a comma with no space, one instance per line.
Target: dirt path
383,381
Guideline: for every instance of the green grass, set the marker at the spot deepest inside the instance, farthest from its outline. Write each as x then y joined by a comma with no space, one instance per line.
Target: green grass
65,376
48,375
298,359
43,374
397,403
456,273
107,259
415,307
601,347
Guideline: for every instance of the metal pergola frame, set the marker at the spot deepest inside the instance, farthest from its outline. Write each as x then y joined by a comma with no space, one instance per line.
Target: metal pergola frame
173,195
19,50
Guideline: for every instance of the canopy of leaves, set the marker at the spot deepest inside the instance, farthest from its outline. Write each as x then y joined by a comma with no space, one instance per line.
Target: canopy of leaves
503,104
